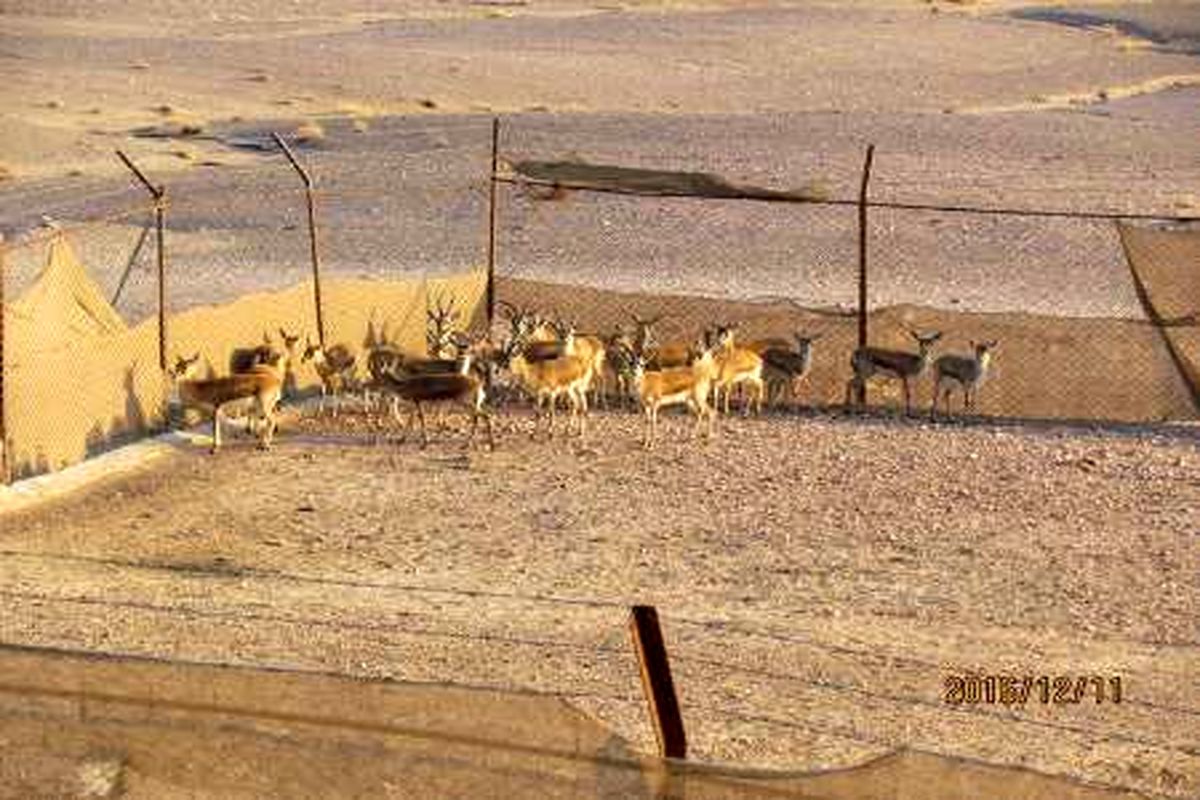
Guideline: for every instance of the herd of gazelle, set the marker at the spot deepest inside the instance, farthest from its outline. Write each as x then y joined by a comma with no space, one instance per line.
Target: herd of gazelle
549,359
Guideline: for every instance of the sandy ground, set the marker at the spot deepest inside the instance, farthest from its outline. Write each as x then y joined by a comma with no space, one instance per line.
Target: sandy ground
818,577
973,104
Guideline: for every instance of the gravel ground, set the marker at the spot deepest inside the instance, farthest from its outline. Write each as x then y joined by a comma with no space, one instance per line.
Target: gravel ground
818,577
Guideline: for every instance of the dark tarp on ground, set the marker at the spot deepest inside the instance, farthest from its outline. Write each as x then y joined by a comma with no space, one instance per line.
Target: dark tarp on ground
654,182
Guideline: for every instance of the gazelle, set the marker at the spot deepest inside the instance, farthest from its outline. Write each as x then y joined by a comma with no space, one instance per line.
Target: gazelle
969,372
785,368
868,362
335,367
569,374
591,349
736,365
263,382
440,332
460,387
672,354
241,359
619,358
688,386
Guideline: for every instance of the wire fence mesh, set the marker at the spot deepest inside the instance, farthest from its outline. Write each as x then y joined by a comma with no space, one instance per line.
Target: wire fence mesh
406,207
1053,288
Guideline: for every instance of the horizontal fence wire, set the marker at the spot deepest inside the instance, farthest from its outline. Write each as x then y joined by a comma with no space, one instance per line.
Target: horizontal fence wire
724,628
949,208
962,710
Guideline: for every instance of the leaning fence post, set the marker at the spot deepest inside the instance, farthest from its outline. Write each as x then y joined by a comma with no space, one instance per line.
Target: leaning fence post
657,683
312,233
5,469
862,264
491,250
159,194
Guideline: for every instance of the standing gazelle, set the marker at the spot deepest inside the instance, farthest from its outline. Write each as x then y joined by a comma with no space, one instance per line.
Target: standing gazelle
736,365
460,387
969,372
569,374
784,368
263,382
668,386
335,366
868,362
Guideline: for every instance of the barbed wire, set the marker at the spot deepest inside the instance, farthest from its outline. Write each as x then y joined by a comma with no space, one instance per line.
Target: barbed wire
314,622
716,626
939,707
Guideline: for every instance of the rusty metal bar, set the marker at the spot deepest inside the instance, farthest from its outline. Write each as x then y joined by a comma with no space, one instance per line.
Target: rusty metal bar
159,193
137,252
862,263
491,251
657,683
312,233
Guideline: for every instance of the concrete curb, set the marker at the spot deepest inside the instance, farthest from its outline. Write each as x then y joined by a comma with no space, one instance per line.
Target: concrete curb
125,460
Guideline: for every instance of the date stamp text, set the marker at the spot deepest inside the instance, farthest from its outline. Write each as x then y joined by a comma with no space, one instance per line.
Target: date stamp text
1018,690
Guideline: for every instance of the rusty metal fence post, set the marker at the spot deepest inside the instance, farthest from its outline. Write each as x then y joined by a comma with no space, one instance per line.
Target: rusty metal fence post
862,263
491,249
159,195
312,233
657,682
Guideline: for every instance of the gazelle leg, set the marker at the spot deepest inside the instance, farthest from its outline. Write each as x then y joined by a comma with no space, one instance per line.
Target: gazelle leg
583,401
424,434
216,436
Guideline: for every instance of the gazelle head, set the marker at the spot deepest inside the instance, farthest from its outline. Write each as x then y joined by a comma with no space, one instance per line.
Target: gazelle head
440,331
724,335
643,336
925,340
984,350
289,342
804,341
704,350
312,352
565,330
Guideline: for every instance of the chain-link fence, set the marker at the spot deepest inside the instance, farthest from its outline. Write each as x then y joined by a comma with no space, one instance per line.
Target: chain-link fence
1052,288
401,206
82,296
